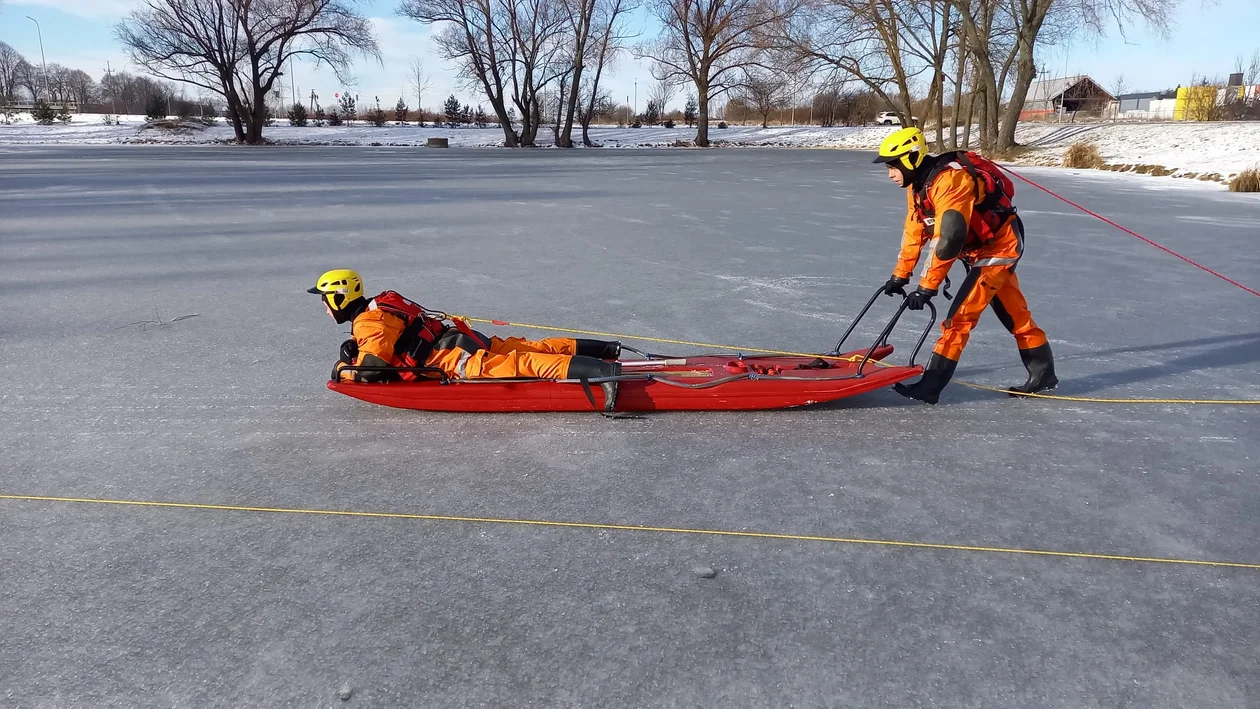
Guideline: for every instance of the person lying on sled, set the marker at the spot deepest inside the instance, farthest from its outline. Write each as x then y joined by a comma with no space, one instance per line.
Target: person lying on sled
959,208
391,331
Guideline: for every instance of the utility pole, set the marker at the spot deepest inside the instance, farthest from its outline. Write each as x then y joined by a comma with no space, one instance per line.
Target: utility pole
42,63
113,91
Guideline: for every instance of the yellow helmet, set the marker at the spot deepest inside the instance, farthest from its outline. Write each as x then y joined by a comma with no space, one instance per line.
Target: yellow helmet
906,147
339,288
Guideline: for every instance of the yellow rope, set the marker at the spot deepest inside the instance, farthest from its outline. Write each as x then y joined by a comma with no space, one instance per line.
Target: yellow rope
642,528
1096,400
616,336
1054,397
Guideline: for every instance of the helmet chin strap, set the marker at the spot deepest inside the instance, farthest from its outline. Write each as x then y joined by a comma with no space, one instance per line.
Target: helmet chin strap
907,175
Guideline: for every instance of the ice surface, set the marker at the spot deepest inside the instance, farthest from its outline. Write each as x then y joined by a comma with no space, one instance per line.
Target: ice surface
126,606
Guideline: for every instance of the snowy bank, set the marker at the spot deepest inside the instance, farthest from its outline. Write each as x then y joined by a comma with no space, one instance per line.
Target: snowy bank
1216,150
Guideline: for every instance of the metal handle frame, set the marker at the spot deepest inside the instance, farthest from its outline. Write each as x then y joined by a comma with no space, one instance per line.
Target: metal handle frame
427,372
883,335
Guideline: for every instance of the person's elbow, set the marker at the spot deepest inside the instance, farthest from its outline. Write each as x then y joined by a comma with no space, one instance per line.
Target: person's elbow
953,235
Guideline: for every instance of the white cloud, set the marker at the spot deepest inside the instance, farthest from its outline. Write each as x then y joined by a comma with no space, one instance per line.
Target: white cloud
91,9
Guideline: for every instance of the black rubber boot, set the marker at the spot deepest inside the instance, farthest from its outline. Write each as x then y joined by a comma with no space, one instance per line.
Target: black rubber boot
936,375
1040,365
599,349
582,367
585,367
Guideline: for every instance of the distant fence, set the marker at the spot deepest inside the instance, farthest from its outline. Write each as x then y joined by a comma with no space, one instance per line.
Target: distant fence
28,106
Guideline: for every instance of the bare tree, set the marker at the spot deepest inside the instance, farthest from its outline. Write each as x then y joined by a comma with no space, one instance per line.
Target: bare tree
763,92
661,91
30,78
80,87
1118,88
537,57
1003,37
1250,72
507,48
580,19
885,44
608,38
10,63
472,36
420,83
708,42
237,48
961,60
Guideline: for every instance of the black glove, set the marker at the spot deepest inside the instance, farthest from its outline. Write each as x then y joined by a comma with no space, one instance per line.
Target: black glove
896,285
919,298
349,351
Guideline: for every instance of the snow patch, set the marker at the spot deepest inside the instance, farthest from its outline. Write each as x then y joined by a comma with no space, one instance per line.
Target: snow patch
1190,150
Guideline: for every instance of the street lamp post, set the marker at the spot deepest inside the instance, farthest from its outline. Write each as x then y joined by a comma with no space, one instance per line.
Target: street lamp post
42,63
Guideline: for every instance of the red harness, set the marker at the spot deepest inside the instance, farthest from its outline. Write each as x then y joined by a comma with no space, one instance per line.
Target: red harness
994,193
419,330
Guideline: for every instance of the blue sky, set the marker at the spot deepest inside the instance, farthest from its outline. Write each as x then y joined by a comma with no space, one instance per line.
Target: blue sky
1206,38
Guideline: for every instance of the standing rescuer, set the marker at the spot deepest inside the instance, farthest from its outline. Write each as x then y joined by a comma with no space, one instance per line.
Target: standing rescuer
959,208
393,334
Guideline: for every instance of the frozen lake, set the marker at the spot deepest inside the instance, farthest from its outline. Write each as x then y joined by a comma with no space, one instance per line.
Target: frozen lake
131,606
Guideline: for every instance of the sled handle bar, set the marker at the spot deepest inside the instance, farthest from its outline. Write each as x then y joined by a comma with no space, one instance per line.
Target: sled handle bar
430,372
878,292
883,336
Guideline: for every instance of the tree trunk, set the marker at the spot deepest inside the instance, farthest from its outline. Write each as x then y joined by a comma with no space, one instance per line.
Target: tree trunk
562,102
702,120
971,117
959,74
234,111
531,116
566,134
510,139
1025,72
257,116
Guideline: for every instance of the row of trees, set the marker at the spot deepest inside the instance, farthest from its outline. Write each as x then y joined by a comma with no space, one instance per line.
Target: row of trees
115,92
544,59
978,57
22,79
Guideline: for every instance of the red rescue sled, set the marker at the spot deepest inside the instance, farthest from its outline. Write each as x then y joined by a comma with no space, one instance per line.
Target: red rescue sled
710,382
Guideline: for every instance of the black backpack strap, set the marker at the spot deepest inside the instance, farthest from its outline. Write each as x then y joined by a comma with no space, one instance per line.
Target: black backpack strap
415,340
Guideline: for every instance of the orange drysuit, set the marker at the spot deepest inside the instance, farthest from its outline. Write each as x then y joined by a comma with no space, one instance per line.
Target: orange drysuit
990,261
459,355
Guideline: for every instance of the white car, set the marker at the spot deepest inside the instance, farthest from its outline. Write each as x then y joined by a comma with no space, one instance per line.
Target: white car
889,118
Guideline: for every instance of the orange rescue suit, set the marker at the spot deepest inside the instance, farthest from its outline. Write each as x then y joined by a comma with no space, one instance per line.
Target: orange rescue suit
457,354
990,262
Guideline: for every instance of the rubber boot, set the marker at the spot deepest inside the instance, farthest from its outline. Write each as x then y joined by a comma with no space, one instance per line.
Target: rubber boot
583,367
936,375
1040,365
599,349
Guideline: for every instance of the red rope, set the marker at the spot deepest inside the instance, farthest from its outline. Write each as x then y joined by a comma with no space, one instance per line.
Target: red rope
1130,232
